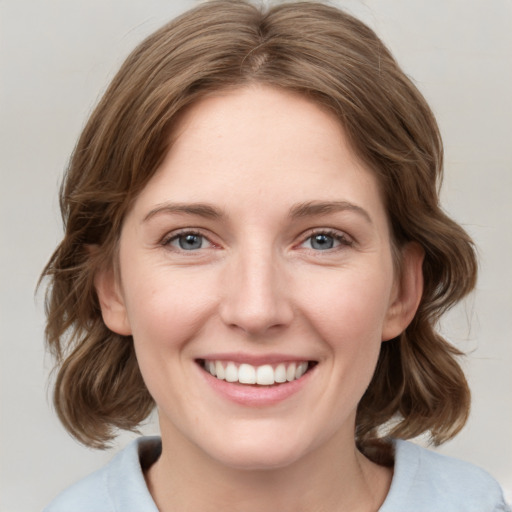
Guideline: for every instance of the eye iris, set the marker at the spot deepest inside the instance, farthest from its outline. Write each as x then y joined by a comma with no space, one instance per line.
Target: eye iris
190,242
322,242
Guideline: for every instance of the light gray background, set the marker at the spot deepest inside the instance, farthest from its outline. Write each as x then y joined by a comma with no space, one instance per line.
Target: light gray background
57,55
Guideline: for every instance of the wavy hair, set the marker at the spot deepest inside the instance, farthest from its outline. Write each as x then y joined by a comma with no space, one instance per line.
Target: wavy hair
329,57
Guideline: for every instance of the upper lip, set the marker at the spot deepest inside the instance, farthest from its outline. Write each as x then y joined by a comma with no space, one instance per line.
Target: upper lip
255,359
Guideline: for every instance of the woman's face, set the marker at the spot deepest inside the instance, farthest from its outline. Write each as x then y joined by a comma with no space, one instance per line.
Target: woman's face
259,250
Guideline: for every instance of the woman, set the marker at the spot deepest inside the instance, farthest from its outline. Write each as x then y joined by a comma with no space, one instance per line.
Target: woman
254,244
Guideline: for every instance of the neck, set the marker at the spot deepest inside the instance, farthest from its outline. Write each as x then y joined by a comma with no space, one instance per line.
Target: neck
333,477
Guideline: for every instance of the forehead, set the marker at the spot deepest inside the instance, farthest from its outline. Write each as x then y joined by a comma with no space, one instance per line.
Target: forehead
262,118
257,146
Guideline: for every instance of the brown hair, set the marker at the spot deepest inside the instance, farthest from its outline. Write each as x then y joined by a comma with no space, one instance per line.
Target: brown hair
333,59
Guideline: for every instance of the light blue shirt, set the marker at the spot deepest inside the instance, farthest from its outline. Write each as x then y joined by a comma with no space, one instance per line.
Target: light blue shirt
423,481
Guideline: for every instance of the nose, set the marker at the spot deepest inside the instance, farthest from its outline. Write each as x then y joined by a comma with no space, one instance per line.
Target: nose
256,295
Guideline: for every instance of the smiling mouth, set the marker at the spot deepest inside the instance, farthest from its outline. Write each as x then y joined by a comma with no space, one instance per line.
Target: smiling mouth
264,375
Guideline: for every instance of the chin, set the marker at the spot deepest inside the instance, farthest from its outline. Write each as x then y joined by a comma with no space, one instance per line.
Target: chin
260,453
258,460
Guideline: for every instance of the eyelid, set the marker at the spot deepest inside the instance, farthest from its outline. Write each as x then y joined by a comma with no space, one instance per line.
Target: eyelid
173,235
342,237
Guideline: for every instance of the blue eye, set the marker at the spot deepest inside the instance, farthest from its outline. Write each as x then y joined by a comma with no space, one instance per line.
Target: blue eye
324,241
188,241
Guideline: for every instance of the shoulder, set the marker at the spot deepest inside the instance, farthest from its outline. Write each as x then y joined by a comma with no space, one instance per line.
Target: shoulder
119,486
425,481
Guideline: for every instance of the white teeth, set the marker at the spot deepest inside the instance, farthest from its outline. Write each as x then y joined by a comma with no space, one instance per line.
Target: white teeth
301,370
280,373
290,372
247,374
219,370
265,375
231,372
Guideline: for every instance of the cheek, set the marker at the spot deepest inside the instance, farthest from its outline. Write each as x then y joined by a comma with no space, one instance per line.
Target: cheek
348,312
350,305
166,316
165,308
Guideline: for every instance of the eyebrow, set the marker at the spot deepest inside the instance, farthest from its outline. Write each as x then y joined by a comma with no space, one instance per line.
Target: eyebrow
307,209
200,209
316,208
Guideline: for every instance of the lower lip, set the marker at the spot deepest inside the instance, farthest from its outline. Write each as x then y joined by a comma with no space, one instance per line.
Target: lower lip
254,395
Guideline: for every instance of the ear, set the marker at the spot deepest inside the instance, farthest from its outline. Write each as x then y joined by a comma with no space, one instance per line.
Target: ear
111,300
407,292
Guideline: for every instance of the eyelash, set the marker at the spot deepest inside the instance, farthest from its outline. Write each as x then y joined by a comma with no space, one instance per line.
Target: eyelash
166,241
343,239
339,237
